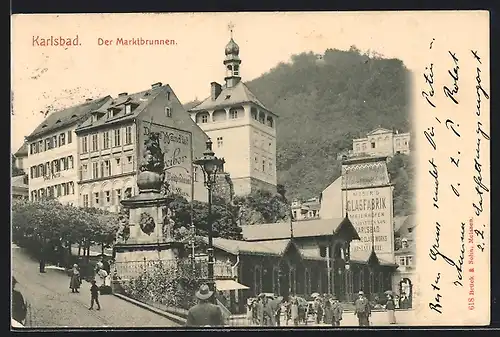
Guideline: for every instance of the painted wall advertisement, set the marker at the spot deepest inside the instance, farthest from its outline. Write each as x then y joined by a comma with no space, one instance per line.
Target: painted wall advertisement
177,152
370,211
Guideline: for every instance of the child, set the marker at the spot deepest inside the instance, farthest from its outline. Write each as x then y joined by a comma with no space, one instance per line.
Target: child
94,296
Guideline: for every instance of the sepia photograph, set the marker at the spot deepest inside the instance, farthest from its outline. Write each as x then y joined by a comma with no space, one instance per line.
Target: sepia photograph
236,170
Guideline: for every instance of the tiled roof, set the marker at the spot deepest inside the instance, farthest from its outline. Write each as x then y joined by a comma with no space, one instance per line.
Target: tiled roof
140,99
23,150
366,172
406,225
276,247
281,230
228,97
18,181
67,117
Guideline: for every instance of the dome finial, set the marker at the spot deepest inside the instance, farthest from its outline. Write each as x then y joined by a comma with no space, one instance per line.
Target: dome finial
230,26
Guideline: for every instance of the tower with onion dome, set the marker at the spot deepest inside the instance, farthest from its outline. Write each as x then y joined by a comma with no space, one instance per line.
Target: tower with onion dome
242,128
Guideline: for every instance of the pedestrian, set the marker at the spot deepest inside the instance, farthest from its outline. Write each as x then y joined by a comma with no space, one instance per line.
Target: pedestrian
267,314
318,309
337,311
41,265
362,309
294,311
328,315
19,308
277,304
75,280
204,313
249,306
94,295
390,307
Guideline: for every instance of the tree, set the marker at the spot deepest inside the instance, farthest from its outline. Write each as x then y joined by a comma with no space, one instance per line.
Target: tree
401,170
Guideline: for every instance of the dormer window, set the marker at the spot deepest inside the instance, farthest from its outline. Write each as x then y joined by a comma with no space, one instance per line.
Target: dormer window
168,112
228,96
128,109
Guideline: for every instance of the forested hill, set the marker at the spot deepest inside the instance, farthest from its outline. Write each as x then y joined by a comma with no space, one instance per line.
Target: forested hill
323,103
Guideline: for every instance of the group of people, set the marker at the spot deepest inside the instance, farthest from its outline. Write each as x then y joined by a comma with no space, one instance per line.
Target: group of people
264,311
101,272
328,310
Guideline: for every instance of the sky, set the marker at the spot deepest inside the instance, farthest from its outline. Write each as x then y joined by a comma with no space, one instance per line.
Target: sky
42,75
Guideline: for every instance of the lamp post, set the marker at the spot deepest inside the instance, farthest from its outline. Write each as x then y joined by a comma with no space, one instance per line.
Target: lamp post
210,166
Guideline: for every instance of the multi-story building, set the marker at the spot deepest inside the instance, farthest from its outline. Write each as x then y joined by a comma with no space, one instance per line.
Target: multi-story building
242,128
20,188
52,160
20,157
381,142
111,146
404,281
306,210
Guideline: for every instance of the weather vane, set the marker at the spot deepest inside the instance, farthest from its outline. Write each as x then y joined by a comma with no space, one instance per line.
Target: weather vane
230,26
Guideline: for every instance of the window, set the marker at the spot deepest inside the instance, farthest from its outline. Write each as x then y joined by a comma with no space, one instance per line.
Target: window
54,141
62,139
62,164
129,159
85,200
402,260
204,119
70,162
233,114
373,145
236,70
117,137
406,142
95,143
105,140
220,142
65,190
71,187
263,166
70,136
398,142
106,168
41,146
95,170
128,135
364,146
168,95
168,112
96,198
48,144
270,167
118,195
357,147
128,109
85,145
322,251
107,195
84,171
58,189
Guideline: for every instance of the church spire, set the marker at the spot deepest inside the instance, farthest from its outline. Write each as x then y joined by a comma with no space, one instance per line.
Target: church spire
232,61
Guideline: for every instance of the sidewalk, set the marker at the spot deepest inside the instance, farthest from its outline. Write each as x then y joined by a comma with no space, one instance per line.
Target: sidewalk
53,304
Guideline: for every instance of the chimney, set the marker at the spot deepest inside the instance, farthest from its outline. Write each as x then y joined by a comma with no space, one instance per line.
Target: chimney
156,85
216,89
122,94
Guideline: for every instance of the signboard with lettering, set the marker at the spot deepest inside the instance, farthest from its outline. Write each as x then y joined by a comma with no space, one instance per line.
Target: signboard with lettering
177,154
370,211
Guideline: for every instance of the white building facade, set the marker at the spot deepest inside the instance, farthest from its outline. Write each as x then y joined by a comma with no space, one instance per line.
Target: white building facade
382,142
52,154
242,129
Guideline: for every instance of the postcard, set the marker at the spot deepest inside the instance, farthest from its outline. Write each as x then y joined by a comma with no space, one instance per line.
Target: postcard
292,169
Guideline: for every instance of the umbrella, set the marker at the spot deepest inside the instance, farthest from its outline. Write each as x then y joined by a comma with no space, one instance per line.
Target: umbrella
314,295
389,292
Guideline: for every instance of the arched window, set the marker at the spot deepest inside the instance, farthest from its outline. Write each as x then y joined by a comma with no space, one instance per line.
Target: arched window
270,122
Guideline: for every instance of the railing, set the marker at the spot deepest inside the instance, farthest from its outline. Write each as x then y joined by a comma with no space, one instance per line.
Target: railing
130,269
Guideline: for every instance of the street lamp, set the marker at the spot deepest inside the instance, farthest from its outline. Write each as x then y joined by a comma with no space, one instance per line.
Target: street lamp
210,166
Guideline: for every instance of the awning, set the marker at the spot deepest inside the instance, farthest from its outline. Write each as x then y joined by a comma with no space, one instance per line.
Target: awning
224,285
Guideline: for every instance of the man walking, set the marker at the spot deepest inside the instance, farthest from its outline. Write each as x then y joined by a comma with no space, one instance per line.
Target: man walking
204,313
337,311
362,309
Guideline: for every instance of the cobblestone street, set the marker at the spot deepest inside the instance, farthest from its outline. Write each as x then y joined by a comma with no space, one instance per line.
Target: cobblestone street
53,305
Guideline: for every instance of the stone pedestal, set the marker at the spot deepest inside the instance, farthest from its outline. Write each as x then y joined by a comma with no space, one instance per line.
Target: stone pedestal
150,231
